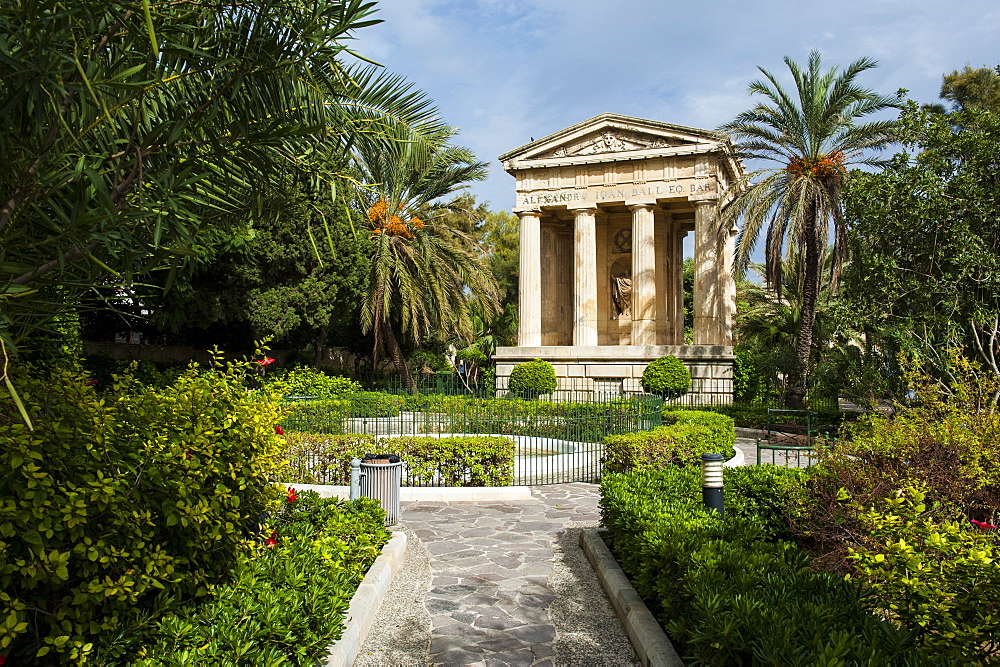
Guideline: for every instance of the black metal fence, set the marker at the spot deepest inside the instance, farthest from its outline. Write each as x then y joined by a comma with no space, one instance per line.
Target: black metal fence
704,392
554,440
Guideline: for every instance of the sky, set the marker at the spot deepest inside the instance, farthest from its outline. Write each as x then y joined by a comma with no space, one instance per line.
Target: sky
508,71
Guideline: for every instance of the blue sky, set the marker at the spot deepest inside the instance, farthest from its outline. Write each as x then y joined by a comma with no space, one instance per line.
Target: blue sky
504,71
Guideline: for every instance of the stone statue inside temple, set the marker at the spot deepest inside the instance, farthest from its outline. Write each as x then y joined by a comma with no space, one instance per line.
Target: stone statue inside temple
621,295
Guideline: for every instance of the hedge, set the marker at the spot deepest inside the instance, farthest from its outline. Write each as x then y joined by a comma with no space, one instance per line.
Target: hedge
582,422
732,591
282,604
680,443
749,416
461,461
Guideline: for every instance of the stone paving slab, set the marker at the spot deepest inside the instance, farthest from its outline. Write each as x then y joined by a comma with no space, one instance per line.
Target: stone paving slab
509,585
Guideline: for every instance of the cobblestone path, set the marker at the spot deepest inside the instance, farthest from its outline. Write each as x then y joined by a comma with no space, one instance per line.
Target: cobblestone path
508,585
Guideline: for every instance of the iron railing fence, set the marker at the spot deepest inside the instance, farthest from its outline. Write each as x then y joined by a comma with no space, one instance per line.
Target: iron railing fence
704,392
554,440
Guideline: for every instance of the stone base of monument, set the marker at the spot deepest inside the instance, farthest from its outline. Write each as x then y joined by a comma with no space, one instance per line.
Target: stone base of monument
617,369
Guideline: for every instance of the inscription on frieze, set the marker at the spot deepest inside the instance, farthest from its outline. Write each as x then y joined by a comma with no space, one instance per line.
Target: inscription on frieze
622,193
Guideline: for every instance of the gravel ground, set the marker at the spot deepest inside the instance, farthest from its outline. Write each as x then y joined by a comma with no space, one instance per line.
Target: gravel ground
401,633
587,630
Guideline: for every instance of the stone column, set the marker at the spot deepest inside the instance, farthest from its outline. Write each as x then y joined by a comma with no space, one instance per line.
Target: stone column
679,288
529,329
585,277
727,302
706,274
643,276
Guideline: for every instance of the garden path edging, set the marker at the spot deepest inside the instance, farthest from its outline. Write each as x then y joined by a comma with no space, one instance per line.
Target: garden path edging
366,602
648,639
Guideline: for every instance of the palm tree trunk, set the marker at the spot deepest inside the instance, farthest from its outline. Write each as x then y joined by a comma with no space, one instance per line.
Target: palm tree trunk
810,294
320,342
392,347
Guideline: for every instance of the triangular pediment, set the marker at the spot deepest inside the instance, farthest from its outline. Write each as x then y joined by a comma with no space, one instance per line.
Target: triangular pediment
610,134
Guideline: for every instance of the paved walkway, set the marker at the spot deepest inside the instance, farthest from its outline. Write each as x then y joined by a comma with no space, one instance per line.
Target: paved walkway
507,585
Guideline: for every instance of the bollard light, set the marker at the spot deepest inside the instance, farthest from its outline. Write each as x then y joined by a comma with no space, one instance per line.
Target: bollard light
711,482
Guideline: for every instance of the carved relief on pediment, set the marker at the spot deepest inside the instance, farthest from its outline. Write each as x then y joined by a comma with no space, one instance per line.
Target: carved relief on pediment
612,141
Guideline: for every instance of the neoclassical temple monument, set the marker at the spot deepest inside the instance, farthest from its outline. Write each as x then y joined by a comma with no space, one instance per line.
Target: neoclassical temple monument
604,208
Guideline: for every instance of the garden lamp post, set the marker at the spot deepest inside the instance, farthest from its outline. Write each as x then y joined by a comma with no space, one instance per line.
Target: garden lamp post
711,482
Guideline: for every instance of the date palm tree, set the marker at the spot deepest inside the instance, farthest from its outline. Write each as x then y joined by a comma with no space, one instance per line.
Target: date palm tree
423,270
806,138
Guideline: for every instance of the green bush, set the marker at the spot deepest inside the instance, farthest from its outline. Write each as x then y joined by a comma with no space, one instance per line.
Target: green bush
283,604
465,461
532,379
731,592
945,446
310,381
120,504
931,574
103,369
328,416
461,461
667,377
686,436
723,433
744,416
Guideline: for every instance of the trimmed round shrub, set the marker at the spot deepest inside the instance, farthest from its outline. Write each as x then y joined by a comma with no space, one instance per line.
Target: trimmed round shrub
666,376
532,378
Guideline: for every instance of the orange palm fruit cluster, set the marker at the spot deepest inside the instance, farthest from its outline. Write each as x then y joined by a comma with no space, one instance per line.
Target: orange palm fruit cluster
827,166
384,222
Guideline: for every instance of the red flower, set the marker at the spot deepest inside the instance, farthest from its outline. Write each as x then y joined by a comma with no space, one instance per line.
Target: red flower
266,361
3,659
984,525
91,383
279,430
273,540
291,495
187,455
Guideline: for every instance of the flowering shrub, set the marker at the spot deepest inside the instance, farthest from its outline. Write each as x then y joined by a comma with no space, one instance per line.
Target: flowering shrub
117,505
284,602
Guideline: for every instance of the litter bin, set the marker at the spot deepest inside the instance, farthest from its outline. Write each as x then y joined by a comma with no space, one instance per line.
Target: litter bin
378,477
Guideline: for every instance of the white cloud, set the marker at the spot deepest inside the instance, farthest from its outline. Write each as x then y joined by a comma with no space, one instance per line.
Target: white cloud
508,70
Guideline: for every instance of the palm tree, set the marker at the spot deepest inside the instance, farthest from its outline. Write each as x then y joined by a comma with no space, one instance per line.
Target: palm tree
423,271
809,138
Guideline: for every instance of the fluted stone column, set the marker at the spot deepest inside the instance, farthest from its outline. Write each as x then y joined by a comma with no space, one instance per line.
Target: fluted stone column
727,302
585,277
706,275
643,276
529,329
678,287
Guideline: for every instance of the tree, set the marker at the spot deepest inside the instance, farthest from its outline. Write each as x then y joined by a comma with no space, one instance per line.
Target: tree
973,89
807,139
296,277
422,271
926,232
136,135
